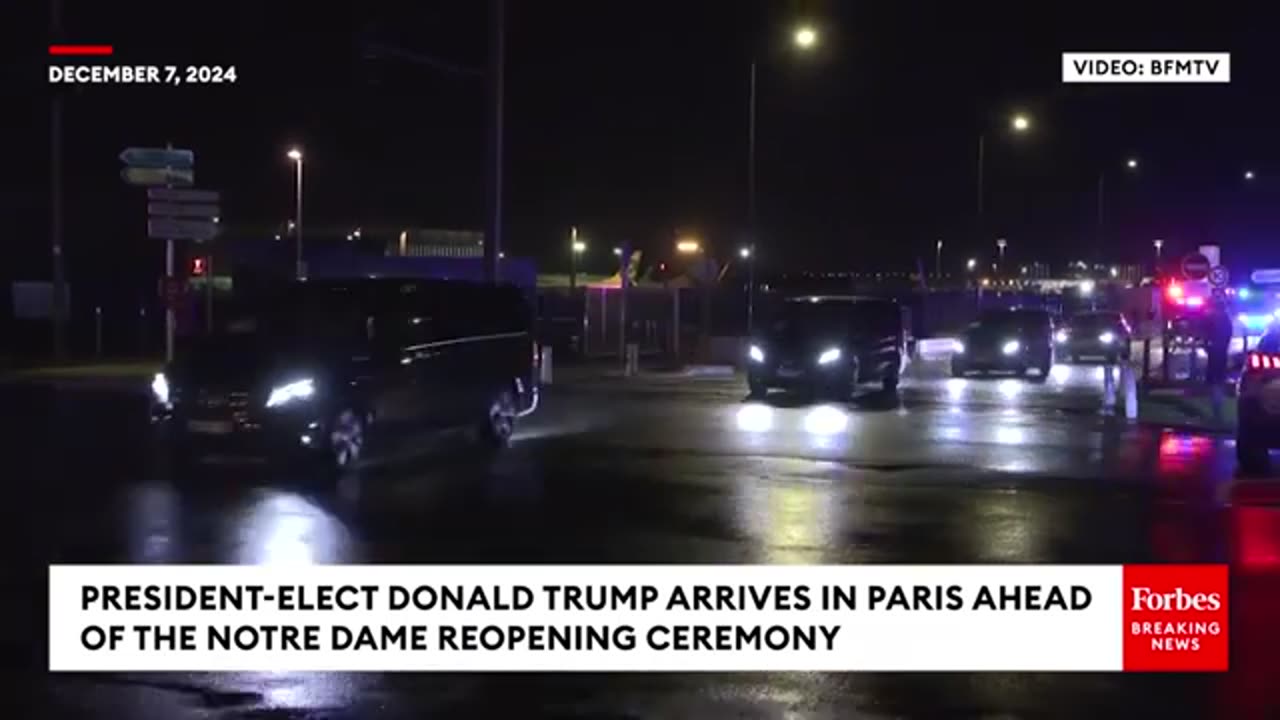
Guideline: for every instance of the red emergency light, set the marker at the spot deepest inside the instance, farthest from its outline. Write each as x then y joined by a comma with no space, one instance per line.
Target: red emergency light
1174,291
1264,361
197,266
1195,302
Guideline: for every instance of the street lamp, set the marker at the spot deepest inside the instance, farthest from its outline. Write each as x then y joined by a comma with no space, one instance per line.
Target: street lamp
576,248
970,264
744,253
688,247
806,37
1248,174
617,252
1020,123
296,156
1001,244
1131,163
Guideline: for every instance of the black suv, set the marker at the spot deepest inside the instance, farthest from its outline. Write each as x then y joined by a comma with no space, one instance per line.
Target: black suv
1015,340
311,372
828,345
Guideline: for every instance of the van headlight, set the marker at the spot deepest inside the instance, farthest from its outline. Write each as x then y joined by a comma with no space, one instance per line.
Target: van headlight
1107,338
1011,347
291,392
829,356
160,388
957,347
756,354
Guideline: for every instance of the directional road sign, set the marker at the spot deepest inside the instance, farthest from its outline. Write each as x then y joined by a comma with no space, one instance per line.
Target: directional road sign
170,229
182,196
175,158
168,209
158,176
1195,266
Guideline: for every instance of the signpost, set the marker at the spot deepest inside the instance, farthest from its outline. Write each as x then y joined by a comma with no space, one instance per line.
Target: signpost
1219,276
173,214
1195,266
158,176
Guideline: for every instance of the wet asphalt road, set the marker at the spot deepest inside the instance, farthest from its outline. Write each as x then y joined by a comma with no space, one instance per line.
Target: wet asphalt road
679,471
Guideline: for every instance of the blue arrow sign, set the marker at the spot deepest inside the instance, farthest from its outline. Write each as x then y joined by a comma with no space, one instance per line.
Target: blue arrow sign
159,158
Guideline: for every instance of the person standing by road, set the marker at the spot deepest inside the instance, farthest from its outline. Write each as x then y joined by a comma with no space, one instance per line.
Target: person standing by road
1217,342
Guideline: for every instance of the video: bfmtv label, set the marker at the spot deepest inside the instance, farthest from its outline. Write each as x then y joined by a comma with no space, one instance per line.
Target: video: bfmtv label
640,618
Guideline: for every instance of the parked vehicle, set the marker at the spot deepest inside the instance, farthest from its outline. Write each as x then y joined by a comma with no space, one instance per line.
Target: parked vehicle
828,345
313,372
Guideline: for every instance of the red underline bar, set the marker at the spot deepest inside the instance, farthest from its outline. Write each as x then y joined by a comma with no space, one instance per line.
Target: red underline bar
81,49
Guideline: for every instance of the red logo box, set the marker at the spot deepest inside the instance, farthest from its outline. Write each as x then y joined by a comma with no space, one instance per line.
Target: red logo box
1175,618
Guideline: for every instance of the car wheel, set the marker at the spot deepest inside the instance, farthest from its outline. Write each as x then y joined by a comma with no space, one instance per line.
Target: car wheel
756,388
346,440
957,369
499,423
890,383
1252,454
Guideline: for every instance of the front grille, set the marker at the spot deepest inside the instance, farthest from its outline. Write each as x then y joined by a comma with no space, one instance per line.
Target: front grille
216,403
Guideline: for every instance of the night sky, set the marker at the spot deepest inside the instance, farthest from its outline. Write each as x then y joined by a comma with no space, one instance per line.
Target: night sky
630,121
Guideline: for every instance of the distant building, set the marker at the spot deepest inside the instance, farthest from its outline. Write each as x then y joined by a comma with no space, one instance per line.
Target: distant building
435,243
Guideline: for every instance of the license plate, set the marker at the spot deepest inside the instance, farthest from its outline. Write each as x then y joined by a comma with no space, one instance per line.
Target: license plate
209,427
788,373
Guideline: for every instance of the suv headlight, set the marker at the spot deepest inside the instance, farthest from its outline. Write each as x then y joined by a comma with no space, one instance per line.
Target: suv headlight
290,392
756,354
1107,338
829,356
1011,347
160,388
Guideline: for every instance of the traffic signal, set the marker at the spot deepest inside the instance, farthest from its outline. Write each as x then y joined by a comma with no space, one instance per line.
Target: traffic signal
197,266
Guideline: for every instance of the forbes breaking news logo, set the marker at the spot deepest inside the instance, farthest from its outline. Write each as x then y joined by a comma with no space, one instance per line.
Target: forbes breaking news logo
1176,618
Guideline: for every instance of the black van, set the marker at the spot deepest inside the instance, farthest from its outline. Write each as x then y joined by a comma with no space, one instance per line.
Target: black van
313,371
828,344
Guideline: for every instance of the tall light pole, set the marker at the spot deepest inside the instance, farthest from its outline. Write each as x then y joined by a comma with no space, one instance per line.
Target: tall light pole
1001,244
805,37
1130,164
747,253
937,259
296,156
1019,123
1158,244
576,248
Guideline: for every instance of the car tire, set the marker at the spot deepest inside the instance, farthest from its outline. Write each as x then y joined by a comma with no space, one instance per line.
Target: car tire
957,369
1252,454
496,428
756,389
890,383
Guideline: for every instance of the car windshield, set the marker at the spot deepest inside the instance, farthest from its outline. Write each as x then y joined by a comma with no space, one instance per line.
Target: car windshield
1014,320
1091,321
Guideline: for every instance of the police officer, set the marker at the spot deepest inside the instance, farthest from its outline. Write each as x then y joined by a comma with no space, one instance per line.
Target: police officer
1217,343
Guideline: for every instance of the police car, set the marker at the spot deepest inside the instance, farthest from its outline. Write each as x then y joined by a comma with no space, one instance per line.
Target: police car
1258,421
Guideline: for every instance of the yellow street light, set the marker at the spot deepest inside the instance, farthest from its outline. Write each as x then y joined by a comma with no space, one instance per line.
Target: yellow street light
806,37
579,247
688,247
1020,123
295,154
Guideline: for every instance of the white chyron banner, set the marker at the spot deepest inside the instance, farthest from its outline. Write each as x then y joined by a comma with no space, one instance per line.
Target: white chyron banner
584,618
